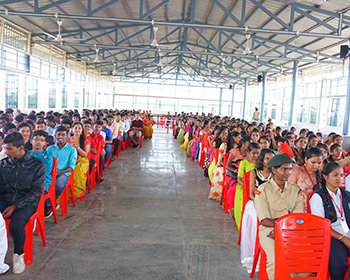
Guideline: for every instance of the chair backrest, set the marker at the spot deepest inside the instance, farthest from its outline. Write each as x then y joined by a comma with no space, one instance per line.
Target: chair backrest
308,208
246,187
302,245
53,173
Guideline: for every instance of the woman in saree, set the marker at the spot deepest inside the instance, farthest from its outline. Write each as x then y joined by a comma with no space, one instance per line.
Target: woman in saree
233,161
148,127
246,165
81,143
218,174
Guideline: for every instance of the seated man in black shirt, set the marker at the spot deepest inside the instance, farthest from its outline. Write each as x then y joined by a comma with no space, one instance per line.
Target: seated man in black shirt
22,178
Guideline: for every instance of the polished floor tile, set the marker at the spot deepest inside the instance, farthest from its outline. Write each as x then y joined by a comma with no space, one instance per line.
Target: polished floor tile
149,219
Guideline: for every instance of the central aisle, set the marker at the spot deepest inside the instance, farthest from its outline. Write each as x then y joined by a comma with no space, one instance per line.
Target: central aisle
150,219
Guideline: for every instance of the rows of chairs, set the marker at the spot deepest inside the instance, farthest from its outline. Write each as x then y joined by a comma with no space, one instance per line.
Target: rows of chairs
302,241
38,218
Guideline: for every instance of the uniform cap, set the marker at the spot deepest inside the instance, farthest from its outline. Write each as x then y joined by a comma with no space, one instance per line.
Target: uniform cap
279,160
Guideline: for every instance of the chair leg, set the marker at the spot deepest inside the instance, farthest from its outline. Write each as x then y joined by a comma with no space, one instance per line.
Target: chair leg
262,270
28,243
64,202
41,228
71,189
257,251
54,211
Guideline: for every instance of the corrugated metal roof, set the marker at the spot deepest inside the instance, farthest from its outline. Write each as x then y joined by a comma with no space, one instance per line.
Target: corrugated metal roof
192,45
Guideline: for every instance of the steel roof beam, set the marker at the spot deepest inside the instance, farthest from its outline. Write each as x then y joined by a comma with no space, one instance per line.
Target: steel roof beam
261,7
176,24
99,35
154,9
227,12
315,19
102,7
52,5
142,48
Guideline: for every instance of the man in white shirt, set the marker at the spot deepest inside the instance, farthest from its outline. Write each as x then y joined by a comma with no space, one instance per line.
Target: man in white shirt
127,124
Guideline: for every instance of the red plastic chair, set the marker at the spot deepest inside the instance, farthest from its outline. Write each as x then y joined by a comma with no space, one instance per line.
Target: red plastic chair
91,176
257,253
308,208
38,216
224,185
64,195
245,199
302,245
51,194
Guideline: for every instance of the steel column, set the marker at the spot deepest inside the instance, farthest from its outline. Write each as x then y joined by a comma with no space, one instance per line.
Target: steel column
244,97
233,98
346,120
220,100
294,91
262,101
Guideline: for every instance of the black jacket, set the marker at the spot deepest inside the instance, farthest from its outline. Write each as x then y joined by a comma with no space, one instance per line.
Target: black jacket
21,181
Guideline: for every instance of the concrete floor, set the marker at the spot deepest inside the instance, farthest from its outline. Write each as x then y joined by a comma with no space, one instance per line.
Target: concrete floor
150,219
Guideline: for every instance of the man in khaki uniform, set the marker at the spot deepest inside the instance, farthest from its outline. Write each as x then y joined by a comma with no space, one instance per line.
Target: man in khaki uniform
273,199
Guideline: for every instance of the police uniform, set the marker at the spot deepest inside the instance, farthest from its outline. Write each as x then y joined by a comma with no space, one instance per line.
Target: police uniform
272,203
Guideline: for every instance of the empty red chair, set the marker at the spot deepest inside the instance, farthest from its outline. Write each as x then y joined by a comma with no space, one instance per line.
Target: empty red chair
39,217
246,198
64,195
302,245
51,194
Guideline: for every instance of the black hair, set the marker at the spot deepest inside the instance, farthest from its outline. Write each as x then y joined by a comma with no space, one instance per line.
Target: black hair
235,134
24,124
284,133
41,121
260,161
9,126
41,133
98,122
218,139
2,135
327,169
15,138
81,137
88,122
323,146
265,137
309,133
310,137
302,130
66,121
337,136
253,146
334,146
19,118
313,152
255,130
61,128
244,139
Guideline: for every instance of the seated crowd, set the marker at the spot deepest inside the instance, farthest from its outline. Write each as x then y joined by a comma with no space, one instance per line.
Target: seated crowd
287,173
29,145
